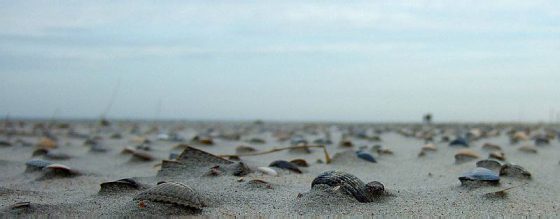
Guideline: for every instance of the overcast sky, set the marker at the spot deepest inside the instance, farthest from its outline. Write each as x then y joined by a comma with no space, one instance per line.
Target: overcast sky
284,60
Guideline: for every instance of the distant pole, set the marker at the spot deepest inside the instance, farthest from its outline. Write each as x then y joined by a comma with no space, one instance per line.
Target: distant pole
112,99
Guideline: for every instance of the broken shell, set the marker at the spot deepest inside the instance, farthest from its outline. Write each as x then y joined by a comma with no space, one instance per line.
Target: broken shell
300,162
465,155
491,147
350,185
499,155
267,171
528,149
514,171
480,174
172,192
282,164
490,164
366,156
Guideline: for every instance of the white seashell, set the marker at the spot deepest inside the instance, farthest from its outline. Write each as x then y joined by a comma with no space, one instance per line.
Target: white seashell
267,171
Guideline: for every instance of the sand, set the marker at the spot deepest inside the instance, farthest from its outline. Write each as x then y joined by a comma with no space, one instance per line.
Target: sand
419,186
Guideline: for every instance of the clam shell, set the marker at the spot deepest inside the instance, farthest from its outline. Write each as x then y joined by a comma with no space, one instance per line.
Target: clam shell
480,174
173,192
490,164
282,164
128,150
528,149
366,156
498,155
491,147
300,162
513,170
465,155
60,170
126,184
267,171
347,183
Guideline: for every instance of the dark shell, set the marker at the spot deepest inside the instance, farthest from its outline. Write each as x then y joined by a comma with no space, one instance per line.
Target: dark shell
490,164
300,162
514,171
172,192
37,164
366,156
126,184
350,185
459,142
480,174
282,164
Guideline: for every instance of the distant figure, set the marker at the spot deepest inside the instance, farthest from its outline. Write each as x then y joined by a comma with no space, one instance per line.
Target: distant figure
428,119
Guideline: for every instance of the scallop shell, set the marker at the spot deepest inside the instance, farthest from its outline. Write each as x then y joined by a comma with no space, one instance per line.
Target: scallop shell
348,183
267,171
282,164
173,192
514,171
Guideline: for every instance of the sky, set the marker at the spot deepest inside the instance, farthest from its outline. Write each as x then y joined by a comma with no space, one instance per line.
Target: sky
356,61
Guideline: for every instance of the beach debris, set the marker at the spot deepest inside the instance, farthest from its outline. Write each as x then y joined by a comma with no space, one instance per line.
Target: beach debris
491,147
259,183
174,193
513,170
267,171
350,185
480,174
203,140
214,171
126,184
282,164
498,155
530,149
465,155
541,140
36,165
300,162
365,156
347,143
490,164
502,193
459,141
243,149
381,150
327,157
19,205
519,136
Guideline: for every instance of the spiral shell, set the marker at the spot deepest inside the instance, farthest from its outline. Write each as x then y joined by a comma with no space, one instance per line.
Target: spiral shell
173,192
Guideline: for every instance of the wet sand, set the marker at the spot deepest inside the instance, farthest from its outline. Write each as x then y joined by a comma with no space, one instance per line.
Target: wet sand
419,186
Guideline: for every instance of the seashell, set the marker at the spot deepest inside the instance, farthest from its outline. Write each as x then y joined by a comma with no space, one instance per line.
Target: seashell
490,164
540,140
204,140
365,156
144,147
52,155
429,147
282,164
128,150
465,155
239,169
47,143
499,155
36,164
300,162
39,152
214,171
120,185
491,147
459,141
174,193
259,183
520,136
142,156
528,149
242,149
267,171
350,185
20,205
5,143
198,157
60,170
513,170
257,141
346,143
480,174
